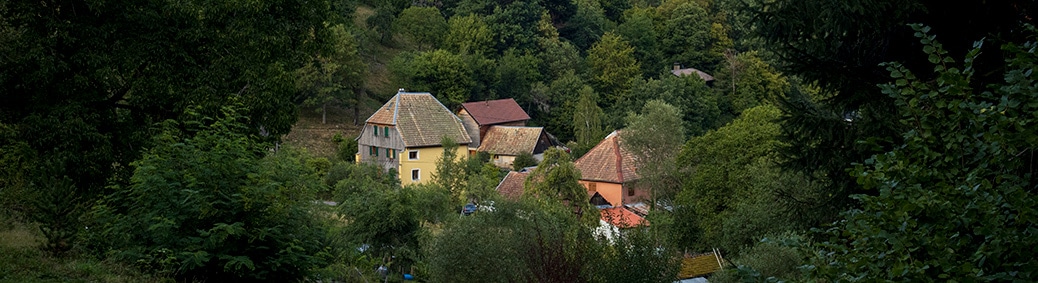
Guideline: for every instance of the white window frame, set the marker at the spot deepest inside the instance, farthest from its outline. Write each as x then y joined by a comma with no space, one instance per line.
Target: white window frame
416,172
409,155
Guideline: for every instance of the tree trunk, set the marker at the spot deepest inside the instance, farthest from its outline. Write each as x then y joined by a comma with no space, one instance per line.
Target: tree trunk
324,113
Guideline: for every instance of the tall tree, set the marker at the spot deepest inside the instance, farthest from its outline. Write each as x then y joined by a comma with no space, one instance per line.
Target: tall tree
587,119
334,77
469,35
439,72
653,136
614,70
556,182
425,26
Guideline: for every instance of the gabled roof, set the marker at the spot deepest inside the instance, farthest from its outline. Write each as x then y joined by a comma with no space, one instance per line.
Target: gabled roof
608,162
421,119
510,140
495,111
621,217
511,187
691,71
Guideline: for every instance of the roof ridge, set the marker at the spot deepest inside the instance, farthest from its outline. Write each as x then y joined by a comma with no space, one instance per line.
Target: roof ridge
619,159
396,107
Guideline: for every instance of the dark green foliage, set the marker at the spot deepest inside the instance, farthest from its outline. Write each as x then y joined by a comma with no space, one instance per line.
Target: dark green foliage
639,29
699,106
425,26
84,83
587,26
840,45
524,160
636,255
555,183
212,206
614,71
652,136
382,215
685,35
588,128
516,242
956,200
444,74
346,148
553,104
514,74
735,192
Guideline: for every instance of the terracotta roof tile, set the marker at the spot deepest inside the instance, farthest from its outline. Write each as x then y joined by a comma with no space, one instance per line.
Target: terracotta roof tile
495,111
608,162
421,120
621,217
510,140
511,187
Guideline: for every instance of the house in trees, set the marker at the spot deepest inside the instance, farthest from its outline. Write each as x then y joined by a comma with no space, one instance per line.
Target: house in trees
405,135
611,171
479,116
505,143
680,71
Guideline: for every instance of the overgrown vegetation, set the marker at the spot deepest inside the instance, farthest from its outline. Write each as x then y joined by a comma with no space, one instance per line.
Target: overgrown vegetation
146,141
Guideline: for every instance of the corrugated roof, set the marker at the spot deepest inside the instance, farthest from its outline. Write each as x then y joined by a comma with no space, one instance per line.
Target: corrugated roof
510,140
621,217
699,265
608,162
495,111
421,119
511,187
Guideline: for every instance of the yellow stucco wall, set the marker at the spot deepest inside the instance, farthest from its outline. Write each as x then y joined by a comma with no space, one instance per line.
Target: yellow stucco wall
426,163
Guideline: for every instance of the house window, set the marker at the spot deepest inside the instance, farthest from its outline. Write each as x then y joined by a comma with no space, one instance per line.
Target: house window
375,128
592,187
412,155
386,131
630,192
391,153
371,151
416,174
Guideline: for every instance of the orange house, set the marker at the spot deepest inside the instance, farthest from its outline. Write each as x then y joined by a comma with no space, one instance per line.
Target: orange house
611,171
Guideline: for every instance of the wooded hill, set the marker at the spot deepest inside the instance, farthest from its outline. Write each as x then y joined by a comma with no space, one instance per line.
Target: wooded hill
848,141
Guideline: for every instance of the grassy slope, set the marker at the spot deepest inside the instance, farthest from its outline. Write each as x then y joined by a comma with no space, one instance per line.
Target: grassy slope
22,261
315,137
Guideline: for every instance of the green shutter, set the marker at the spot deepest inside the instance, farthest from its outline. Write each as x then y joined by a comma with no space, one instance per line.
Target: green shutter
387,131
376,129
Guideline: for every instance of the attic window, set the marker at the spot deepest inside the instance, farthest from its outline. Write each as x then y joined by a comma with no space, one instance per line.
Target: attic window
375,128
412,155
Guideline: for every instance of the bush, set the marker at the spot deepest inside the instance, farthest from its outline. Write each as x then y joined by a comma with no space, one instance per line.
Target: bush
347,151
214,207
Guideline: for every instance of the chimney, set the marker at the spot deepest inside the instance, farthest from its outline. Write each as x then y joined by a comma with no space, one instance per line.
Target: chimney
400,90
677,66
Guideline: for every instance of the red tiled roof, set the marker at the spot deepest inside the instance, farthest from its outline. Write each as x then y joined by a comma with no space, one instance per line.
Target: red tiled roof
510,140
495,111
421,120
621,217
511,187
608,162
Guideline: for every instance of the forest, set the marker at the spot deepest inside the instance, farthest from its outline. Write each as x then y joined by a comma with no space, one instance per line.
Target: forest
826,141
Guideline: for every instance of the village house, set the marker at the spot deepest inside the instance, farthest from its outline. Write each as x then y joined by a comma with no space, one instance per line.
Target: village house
681,71
611,171
479,116
405,135
505,143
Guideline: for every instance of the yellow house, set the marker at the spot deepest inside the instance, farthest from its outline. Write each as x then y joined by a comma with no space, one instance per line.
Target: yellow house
405,135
